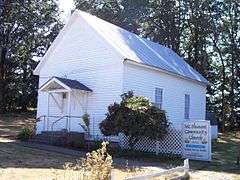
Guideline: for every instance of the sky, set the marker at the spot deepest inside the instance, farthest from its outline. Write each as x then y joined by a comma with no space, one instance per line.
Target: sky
66,6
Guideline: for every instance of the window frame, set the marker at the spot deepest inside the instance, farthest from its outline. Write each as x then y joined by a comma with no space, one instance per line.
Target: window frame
187,104
158,101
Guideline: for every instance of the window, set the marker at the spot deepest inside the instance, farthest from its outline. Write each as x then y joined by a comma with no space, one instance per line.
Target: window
187,106
158,97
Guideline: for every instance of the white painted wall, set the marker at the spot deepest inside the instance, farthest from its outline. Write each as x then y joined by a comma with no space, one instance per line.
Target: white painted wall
143,82
84,56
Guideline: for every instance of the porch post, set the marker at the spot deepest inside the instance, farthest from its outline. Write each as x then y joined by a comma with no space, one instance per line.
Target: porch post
48,99
69,111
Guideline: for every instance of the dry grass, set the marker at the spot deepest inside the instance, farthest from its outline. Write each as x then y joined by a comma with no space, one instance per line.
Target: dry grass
17,162
12,123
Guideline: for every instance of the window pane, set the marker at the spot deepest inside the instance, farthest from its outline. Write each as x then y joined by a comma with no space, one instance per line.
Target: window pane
187,106
158,97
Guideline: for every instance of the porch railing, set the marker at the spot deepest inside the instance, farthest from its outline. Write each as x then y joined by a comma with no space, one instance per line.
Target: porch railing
68,120
59,119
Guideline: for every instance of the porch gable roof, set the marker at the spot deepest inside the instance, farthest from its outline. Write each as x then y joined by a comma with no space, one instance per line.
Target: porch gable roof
67,84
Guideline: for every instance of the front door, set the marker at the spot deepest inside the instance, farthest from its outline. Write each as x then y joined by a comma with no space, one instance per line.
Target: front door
58,111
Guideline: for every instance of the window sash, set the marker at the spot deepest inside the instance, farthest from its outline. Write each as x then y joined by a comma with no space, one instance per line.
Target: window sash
187,106
158,97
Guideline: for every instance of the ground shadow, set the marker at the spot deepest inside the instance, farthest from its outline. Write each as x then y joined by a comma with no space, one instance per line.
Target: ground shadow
13,155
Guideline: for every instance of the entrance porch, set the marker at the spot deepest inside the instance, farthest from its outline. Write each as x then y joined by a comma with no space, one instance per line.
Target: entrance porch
67,101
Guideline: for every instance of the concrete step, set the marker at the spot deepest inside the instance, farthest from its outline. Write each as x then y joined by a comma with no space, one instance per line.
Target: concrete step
60,134
51,140
42,138
39,141
49,136
54,133
45,137
58,138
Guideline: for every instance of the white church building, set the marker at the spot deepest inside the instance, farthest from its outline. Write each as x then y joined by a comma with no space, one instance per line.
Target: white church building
92,62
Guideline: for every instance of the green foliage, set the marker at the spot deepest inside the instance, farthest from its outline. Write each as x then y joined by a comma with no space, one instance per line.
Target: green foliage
25,134
96,144
79,144
27,28
86,121
135,117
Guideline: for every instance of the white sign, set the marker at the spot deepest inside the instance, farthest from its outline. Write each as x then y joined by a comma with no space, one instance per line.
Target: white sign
197,140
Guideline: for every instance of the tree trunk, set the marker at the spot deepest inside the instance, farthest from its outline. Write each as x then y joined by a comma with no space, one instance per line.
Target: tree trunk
132,141
223,68
223,96
233,78
24,96
2,79
232,94
238,156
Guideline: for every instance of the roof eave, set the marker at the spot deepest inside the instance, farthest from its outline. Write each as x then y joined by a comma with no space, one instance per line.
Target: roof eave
85,90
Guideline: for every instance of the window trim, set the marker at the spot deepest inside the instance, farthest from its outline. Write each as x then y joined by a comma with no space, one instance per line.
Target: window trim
160,96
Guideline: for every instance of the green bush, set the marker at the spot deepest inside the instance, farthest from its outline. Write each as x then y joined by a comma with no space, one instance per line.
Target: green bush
93,145
135,117
25,134
86,121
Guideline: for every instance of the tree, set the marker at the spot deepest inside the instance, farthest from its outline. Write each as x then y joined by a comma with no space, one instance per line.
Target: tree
159,21
226,48
27,29
126,13
195,44
231,42
135,117
163,23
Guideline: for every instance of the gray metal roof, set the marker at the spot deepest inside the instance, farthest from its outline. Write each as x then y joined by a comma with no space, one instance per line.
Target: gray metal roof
73,84
141,50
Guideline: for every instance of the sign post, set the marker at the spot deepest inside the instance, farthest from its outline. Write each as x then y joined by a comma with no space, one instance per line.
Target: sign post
197,140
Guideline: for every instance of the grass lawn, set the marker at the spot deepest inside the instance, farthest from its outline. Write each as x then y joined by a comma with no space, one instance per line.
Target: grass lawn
18,162
223,164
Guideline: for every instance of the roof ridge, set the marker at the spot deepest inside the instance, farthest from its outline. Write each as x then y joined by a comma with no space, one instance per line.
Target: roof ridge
109,40
118,27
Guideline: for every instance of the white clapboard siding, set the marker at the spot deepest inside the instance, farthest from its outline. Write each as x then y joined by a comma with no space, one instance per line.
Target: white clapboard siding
84,56
143,81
